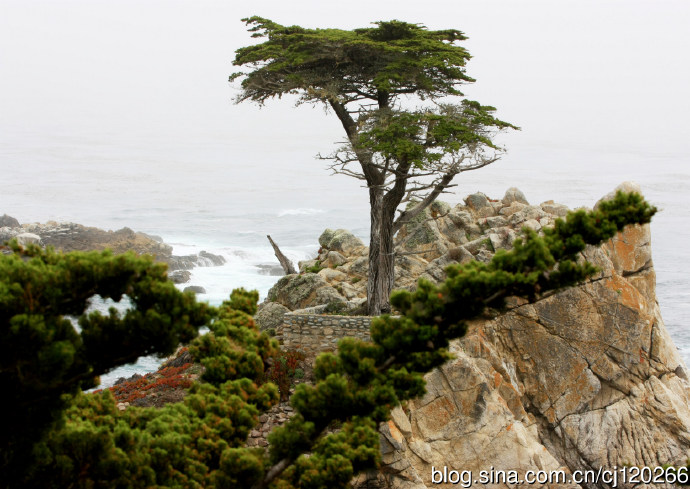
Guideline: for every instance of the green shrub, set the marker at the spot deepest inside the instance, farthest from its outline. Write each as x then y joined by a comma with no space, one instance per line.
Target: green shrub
315,268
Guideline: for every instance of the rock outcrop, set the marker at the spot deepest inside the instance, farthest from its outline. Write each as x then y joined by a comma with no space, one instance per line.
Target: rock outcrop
8,221
68,236
436,238
584,379
299,291
75,237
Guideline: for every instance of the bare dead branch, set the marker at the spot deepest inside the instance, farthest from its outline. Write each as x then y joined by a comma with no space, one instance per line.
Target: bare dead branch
285,262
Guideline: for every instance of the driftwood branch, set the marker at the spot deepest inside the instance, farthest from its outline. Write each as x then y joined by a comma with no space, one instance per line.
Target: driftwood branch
287,265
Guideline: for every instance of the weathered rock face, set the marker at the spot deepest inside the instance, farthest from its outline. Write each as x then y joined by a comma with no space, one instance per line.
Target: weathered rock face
187,262
438,237
8,221
585,379
68,236
301,291
340,240
180,276
75,237
270,315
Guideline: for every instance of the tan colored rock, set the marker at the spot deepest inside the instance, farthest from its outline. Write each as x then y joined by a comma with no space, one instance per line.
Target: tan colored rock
584,379
333,259
550,207
301,291
270,315
340,240
332,276
514,194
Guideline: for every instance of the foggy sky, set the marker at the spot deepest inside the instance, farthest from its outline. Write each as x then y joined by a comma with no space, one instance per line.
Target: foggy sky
595,74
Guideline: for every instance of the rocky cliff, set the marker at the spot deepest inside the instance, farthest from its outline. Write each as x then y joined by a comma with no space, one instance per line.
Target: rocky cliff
584,379
587,378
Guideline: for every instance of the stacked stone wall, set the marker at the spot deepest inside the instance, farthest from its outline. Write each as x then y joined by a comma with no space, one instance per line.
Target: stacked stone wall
314,333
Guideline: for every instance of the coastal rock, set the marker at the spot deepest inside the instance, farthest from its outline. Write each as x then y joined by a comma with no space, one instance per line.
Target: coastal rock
270,269
475,245
422,234
340,240
357,267
270,315
180,276
511,209
461,232
480,205
514,195
187,262
304,290
332,276
68,236
181,262
464,221
587,378
623,187
526,213
333,259
550,207
477,201
24,239
8,222
435,271
409,267
207,259
197,289
502,237
584,379
75,237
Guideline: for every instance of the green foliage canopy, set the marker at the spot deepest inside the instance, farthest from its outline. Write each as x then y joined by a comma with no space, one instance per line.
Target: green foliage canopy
46,362
393,58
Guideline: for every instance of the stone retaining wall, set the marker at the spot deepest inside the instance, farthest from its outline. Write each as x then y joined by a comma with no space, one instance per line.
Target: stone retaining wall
314,333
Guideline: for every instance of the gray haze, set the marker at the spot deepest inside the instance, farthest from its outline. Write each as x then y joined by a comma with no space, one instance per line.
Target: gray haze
149,75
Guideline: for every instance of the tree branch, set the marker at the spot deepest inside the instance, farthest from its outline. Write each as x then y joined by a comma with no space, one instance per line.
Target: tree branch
287,265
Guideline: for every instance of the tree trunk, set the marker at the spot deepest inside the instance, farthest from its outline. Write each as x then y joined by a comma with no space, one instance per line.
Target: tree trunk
381,255
376,299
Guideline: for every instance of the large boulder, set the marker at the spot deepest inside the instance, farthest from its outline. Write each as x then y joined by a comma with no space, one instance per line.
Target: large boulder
180,276
333,259
304,290
270,315
207,259
8,221
187,262
340,240
422,234
24,239
197,289
514,195
480,205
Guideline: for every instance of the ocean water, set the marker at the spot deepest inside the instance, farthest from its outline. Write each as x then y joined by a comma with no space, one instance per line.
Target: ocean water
118,114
